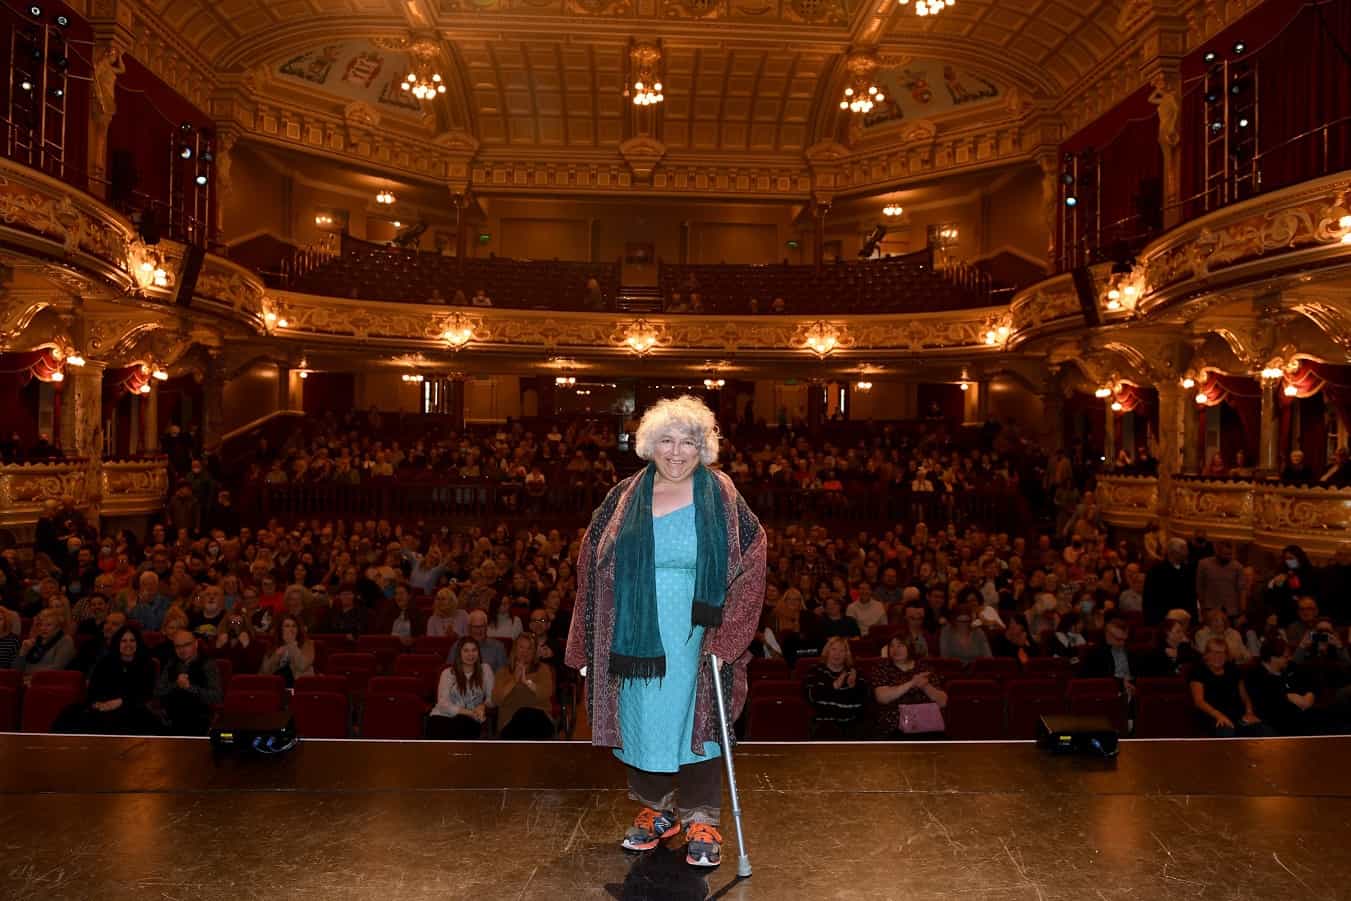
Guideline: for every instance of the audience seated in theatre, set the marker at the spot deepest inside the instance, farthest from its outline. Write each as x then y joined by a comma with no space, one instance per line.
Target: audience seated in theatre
235,641
1307,609
491,651
446,617
960,639
188,686
400,617
9,637
866,610
523,693
1217,626
1338,473
92,647
1175,653
1112,659
1322,644
463,694
1016,641
1223,708
147,606
1295,578
121,687
837,693
501,622
548,647
1283,698
48,648
1297,470
209,612
293,653
901,680
347,617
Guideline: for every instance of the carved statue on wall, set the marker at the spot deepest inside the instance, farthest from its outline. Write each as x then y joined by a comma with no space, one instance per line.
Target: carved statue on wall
106,70
1165,97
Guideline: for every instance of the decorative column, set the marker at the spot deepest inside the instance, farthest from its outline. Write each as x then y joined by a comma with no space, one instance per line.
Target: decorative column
108,65
82,410
460,200
1266,463
149,404
1109,431
1191,429
213,402
819,210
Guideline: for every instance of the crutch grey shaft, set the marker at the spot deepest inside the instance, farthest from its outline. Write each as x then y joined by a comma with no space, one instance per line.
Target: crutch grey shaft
743,864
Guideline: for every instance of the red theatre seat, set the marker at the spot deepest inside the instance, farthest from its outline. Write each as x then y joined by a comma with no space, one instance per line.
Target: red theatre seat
335,684
804,666
975,709
439,645
1097,697
43,704
426,668
251,701
764,668
357,666
1163,709
779,719
777,688
69,680
274,684
9,709
384,647
1027,700
1001,669
396,714
946,667
320,714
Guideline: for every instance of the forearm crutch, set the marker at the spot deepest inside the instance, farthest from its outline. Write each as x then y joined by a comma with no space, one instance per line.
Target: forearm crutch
743,864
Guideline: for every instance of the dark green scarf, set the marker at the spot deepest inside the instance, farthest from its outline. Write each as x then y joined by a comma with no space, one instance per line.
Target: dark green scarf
636,651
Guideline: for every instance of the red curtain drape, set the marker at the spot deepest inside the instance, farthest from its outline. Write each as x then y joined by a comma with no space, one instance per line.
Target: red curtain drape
1243,395
1302,81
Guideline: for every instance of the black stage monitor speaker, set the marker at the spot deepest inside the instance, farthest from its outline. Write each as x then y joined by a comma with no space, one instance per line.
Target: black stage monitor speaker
1088,296
253,733
1063,734
192,267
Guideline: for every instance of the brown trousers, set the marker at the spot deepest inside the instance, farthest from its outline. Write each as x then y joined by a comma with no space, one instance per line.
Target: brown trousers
695,792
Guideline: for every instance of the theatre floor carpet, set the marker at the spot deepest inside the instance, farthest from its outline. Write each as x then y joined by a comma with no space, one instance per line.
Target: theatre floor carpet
103,818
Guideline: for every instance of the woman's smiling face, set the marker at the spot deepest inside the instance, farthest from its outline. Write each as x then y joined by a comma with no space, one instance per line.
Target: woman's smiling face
676,454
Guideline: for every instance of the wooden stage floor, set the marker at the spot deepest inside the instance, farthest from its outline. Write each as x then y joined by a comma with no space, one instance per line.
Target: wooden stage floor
113,818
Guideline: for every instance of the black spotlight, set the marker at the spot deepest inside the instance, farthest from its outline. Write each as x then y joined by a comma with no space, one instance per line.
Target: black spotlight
58,92
185,152
26,84
207,156
1244,122
1209,57
185,127
60,63
1071,201
63,21
35,11
1240,48
201,180
1217,126
1212,96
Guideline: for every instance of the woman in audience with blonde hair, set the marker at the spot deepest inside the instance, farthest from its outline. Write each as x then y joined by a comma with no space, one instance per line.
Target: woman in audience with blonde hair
836,692
523,692
293,652
48,648
447,618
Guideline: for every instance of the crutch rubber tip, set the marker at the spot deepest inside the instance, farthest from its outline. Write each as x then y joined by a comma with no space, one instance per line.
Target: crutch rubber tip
743,866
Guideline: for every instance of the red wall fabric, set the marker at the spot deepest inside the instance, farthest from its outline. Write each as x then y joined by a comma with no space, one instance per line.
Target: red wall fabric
1125,141
147,126
73,42
1303,80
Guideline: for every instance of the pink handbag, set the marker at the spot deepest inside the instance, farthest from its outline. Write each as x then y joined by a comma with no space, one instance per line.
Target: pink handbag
918,718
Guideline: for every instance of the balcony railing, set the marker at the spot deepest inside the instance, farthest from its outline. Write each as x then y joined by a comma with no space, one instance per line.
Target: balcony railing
1269,514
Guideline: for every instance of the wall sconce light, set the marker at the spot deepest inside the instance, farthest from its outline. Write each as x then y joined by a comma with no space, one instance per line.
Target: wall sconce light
865,387
641,337
414,378
1103,392
304,373
1201,397
145,389
1272,372
159,374
57,376
565,381
714,384
1116,406
1188,382
385,198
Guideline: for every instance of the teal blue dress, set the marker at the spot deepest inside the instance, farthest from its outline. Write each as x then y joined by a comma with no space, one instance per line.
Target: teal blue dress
656,716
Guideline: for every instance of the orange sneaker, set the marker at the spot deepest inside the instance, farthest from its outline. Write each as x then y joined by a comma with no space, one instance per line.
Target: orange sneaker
649,828
703,845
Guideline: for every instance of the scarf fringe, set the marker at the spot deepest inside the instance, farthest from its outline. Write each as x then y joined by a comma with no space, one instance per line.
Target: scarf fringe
626,667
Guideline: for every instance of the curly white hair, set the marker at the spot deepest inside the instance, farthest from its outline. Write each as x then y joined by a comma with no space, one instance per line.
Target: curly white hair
687,415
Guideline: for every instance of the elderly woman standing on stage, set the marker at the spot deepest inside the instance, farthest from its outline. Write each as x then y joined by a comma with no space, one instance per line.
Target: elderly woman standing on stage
672,568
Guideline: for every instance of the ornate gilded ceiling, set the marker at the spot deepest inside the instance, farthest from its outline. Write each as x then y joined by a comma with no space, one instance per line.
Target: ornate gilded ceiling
747,82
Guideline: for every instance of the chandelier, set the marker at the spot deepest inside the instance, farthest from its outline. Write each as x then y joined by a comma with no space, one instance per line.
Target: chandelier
565,381
861,94
424,82
414,377
864,386
385,198
714,384
893,209
458,332
641,336
645,64
862,99
929,7
821,338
